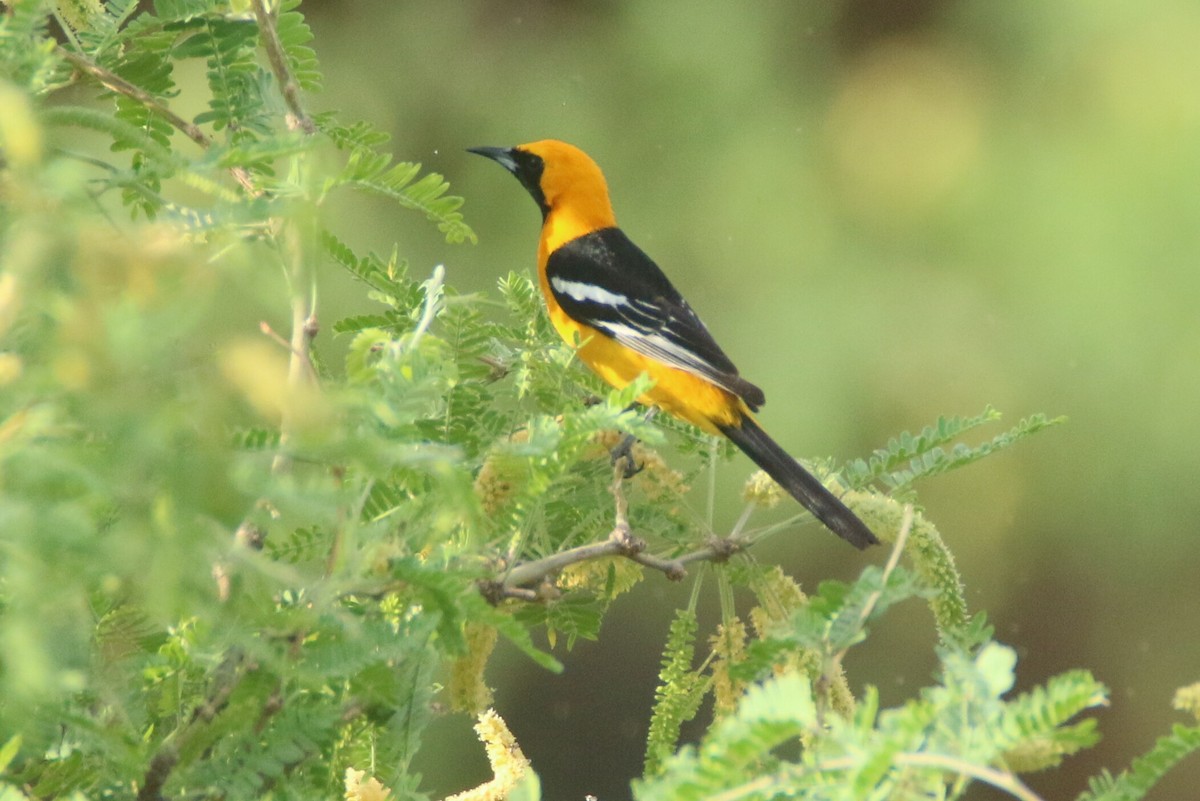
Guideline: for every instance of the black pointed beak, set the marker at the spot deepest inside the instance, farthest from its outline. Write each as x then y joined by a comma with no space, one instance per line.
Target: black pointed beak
501,155
526,166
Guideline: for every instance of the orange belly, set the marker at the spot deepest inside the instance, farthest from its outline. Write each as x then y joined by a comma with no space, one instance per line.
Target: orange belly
688,397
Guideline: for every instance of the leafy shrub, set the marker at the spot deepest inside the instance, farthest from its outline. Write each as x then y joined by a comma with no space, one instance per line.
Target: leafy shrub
230,571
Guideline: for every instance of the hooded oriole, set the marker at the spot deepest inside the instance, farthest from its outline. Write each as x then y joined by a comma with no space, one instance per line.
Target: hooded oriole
603,292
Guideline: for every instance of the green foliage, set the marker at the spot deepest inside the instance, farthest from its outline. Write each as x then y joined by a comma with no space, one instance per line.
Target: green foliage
931,559
678,695
769,715
232,569
1147,769
27,50
368,168
908,457
294,35
957,731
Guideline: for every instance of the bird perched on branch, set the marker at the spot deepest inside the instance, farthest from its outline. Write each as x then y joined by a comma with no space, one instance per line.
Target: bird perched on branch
603,292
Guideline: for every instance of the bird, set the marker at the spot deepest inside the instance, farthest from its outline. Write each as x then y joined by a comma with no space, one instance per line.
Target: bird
605,296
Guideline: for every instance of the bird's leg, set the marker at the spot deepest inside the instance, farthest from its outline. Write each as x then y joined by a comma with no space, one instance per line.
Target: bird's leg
624,448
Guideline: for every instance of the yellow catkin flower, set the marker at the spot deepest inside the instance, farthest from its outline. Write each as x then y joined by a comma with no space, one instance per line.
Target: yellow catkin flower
778,597
1187,699
359,790
1037,754
606,440
931,560
841,700
467,690
657,480
499,481
500,477
729,647
258,369
20,135
592,575
762,490
509,765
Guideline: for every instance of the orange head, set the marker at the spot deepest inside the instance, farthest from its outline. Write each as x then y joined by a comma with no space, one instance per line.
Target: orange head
563,180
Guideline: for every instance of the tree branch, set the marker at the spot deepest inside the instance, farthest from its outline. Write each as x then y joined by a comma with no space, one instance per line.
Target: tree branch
227,676
115,83
157,774
288,86
621,541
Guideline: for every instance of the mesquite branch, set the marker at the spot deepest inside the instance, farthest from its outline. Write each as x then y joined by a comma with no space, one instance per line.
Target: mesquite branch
113,82
289,87
621,541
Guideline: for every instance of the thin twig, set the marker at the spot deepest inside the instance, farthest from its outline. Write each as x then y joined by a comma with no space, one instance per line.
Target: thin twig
289,87
618,543
743,520
710,507
274,336
300,372
621,541
434,289
155,778
833,667
621,468
893,559
121,86
116,83
1001,780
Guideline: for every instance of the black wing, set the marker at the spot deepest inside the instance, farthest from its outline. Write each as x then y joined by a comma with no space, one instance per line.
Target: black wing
604,280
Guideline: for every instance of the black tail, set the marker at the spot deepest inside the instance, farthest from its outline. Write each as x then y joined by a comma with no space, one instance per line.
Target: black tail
799,483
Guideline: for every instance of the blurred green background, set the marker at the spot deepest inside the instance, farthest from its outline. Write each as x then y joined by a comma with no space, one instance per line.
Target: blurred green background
885,210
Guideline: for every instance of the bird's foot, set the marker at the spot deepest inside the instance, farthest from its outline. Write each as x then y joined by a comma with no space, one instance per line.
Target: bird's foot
624,451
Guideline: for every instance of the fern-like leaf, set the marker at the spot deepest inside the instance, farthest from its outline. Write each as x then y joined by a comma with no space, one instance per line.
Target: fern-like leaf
358,135
909,457
181,10
294,35
1034,721
864,601
120,130
1146,770
373,172
150,68
237,100
308,544
389,279
391,322
254,762
27,56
